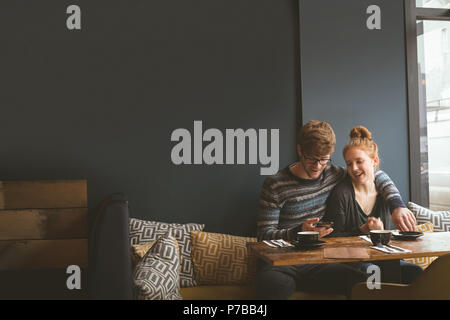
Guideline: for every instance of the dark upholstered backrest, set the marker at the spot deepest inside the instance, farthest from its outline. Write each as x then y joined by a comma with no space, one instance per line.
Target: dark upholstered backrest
110,270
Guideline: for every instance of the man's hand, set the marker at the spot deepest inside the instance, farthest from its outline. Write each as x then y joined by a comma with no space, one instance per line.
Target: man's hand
404,219
308,226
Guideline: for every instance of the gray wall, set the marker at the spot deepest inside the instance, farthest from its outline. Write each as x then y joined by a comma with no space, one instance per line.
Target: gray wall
101,103
355,76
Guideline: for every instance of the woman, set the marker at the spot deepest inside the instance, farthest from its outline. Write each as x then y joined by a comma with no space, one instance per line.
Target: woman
355,206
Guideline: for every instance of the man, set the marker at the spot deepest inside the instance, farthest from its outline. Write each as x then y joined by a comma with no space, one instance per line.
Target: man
294,200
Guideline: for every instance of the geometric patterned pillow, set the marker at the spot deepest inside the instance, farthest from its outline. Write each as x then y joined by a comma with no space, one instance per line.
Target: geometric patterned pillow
156,275
424,262
440,219
221,259
427,227
142,231
139,251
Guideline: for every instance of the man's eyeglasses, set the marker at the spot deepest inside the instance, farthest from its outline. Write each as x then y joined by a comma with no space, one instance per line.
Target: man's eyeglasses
323,161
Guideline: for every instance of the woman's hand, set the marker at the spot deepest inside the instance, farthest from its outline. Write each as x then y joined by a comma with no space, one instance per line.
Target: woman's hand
308,226
372,224
375,223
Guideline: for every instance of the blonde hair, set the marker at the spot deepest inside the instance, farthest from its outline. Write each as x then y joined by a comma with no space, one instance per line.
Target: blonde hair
316,138
361,137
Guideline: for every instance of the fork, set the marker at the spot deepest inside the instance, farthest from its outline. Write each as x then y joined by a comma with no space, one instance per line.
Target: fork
381,246
270,244
397,249
280,242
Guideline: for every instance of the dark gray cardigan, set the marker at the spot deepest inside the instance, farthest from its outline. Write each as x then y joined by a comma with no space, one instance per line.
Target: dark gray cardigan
343,211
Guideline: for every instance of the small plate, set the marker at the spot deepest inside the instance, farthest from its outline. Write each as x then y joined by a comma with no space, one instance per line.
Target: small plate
308,245
407,235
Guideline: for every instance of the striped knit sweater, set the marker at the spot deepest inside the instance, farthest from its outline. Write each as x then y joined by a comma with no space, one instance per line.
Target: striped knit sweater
286,200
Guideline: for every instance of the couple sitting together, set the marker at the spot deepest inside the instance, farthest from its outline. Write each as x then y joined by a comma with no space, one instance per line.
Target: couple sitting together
357,200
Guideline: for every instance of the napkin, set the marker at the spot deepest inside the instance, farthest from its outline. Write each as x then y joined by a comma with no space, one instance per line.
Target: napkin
279,243
387,250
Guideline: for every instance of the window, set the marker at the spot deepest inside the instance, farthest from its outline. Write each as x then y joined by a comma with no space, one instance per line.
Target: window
433,3
427,25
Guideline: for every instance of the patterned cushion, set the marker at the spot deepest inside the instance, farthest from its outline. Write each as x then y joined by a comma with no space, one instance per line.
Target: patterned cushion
156,276
222,258
426,227
440,219
142,232
424,262
139,251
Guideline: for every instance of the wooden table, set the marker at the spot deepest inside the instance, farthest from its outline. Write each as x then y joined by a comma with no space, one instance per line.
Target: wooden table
429,245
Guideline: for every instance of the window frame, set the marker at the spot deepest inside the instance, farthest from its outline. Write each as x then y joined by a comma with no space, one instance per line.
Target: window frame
418,179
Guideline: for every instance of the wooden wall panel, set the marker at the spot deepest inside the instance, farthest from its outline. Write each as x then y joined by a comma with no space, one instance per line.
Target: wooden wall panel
43,254
44,224
43,194
43,230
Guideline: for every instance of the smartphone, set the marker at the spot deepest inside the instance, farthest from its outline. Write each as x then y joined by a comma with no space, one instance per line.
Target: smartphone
326,224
